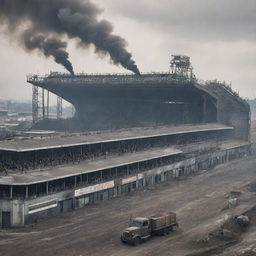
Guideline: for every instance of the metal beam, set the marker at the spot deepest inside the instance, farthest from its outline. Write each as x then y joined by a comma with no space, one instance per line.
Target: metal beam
59,107
35,104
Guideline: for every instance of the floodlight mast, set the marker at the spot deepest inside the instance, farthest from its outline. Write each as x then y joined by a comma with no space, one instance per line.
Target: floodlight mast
180,65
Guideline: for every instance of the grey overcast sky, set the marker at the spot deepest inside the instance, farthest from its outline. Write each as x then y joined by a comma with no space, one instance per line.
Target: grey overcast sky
218,35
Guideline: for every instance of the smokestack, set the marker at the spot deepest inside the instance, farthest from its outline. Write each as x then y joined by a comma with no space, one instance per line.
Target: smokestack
48,21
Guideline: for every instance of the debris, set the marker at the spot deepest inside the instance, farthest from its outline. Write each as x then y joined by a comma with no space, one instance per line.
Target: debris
236,224
230,230
234,194
243,220
232,202
248,253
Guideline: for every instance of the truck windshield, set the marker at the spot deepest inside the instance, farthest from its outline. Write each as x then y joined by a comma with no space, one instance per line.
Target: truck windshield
136,223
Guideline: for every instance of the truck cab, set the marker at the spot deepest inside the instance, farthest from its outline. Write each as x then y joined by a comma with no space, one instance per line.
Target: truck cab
138,230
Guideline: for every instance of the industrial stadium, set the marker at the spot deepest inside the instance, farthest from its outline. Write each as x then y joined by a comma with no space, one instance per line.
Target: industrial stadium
138,131
157,160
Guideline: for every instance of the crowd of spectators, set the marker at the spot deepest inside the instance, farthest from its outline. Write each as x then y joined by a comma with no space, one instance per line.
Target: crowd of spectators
50,158
66,156
6,134
92,178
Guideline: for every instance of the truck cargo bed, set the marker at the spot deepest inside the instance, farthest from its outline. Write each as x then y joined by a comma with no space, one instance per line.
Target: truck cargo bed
162,221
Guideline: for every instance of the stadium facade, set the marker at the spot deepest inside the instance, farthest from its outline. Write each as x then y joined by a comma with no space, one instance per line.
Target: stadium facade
154,99
163,127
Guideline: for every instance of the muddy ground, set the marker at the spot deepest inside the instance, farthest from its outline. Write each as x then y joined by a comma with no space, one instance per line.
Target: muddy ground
199,201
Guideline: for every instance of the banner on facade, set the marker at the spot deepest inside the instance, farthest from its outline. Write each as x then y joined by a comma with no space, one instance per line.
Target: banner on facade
94,188
129,180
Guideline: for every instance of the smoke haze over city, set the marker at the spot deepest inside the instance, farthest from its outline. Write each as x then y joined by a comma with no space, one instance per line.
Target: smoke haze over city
220,39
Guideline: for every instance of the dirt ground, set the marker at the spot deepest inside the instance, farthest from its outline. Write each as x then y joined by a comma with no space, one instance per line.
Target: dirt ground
199,202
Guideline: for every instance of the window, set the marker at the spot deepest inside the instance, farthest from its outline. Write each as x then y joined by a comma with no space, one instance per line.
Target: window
145,224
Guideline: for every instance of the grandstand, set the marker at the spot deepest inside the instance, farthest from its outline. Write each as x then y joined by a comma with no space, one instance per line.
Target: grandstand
45,176
135,131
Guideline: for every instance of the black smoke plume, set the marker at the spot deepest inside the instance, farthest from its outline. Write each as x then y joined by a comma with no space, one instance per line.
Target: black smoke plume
49,20
50,47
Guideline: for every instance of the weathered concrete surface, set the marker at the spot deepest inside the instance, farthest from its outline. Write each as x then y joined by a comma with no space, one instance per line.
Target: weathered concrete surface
231,109
53,173
104,137
106,101
198,202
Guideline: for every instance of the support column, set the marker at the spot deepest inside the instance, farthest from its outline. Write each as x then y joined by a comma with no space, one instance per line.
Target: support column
43,105
10,192
47,188
64,183
59,107
26,191
35,104
137,184
205,109
75,182
48,105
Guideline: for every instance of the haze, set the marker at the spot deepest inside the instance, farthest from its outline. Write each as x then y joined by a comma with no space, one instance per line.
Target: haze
219,36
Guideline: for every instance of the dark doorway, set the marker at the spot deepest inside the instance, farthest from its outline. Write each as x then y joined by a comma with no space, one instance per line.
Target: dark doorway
6,219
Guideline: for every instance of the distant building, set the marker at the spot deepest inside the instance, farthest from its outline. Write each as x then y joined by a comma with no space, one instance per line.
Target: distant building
3,113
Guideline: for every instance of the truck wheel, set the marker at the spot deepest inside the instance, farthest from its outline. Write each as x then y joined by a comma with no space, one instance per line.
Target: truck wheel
174,227
165,231
137,241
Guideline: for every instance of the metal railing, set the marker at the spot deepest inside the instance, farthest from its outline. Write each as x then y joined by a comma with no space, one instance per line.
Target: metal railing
108,78
118,79
227,87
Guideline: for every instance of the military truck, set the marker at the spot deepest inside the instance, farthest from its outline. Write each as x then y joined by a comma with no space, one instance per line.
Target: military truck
142,228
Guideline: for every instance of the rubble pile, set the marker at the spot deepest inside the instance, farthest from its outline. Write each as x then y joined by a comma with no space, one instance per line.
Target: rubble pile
230,230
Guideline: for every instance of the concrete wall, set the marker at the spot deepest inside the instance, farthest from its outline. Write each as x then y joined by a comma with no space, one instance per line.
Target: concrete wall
145,103
133,104
16,208
231,109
